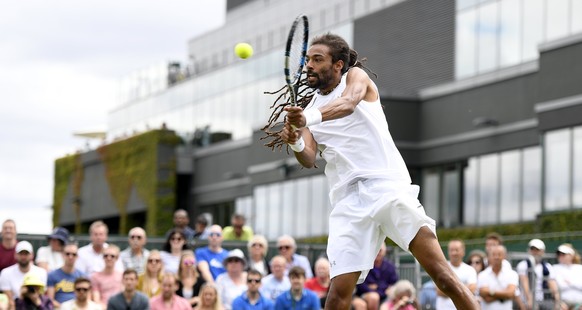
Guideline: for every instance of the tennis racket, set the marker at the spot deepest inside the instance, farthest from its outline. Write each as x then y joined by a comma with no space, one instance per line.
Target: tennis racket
295,52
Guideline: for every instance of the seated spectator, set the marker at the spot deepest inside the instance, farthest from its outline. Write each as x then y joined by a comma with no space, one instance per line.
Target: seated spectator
135,255
32,294
129,298
61,282
402,296
379,279
50,257
232,283
168,295
201,230
150,282
277,282
427,296
238,231
210,257
172,250
546,288
209,298
465,273
287,247
252,298
320,283
181,223
107,283
90,257
8,244
190,281
257,249
297,297
569,276
11,278
81,301
476,259
497,284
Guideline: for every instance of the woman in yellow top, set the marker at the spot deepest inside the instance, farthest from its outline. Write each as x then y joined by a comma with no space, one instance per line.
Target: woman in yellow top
150,282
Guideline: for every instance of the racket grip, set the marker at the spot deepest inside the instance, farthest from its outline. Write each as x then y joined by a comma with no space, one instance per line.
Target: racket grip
298,146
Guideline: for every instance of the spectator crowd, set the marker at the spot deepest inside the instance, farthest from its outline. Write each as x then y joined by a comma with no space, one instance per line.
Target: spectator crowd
99,275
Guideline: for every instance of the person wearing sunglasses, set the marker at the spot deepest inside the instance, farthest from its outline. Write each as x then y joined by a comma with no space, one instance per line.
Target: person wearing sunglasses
569,276
172,250
232,283
210,257
81,301
135,255
257,248
60,282
150,282
287,247
189,279
107,282
252,298
90,256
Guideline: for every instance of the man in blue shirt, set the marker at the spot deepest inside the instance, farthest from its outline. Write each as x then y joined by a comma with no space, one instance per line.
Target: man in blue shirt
60,282
210,257
252,298
297,297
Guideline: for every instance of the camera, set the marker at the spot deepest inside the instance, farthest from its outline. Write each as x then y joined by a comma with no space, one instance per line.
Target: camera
30,289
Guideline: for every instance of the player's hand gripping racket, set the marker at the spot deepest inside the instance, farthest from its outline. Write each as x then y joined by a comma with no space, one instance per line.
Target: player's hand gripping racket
295,52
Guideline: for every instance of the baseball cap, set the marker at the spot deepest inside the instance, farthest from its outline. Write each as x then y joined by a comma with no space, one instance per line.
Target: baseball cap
24,246
565,249
59,233
538,244
237,254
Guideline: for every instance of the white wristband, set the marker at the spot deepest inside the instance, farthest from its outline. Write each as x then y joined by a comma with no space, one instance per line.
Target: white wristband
298,146
312,117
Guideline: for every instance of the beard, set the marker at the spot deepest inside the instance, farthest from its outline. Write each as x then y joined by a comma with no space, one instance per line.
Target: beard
320,80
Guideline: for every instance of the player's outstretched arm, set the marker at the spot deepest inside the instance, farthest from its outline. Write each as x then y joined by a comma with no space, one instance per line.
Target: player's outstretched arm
358,87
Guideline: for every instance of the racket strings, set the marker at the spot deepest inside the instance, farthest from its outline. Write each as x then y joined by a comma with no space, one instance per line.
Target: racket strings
274,127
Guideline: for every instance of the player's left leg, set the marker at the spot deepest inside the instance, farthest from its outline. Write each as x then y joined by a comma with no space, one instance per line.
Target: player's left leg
341,290
427,251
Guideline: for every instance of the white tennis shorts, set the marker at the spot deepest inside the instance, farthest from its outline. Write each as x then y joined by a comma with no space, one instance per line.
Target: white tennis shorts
363,215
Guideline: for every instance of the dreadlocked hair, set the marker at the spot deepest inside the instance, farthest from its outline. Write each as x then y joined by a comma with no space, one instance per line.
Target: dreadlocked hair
274,126
339,50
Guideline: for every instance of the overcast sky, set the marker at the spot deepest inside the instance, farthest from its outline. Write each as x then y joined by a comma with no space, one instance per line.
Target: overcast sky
60,65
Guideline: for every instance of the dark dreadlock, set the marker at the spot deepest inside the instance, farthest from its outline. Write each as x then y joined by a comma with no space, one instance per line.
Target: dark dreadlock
339,50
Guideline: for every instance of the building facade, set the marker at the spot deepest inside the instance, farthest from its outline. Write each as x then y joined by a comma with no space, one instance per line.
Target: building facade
482,97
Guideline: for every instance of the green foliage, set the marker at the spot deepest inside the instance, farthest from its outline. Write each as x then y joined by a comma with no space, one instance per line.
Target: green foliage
65,168
131,163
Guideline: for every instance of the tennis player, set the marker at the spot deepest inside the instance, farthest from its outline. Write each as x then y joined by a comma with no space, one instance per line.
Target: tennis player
370,187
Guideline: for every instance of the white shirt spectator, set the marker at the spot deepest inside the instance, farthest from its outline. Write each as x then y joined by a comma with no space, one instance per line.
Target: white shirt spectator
467,275
539,271
569,279
506,277
89,261
229,290
272,287
11,278
52,258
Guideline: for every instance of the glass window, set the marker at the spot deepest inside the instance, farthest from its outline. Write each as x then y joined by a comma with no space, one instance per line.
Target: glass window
274,206
318,215
261,209
557,18
464,4
303,194
465,46
531,185
286,209
488,188
487,35
577,169
557,169
471,192
451,198
430,194
576,17
533,29
510,33
510,186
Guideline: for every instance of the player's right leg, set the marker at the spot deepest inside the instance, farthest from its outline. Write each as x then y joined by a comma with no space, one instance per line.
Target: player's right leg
427,251
341,290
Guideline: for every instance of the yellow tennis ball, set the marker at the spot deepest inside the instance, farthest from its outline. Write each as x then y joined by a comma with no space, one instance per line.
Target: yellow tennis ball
243,50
